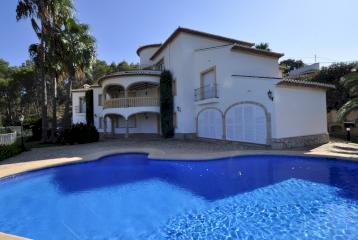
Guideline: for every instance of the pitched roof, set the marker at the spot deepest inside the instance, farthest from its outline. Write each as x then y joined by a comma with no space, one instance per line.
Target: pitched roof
257,51
147,46
303,83
200,34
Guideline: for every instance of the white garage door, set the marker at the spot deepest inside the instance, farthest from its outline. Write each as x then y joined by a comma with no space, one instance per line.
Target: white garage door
246,123
210,124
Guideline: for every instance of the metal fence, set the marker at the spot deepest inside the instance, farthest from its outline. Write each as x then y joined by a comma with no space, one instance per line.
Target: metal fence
205,92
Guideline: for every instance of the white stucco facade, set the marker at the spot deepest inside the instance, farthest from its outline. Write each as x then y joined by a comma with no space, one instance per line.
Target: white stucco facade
224,89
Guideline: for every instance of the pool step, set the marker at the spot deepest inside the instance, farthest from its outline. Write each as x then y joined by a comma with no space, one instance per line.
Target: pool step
4,236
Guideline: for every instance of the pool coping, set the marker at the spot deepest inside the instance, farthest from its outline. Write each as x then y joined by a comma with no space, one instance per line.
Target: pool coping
5,236
156,154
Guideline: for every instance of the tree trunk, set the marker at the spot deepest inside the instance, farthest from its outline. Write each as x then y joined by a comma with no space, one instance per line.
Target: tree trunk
44,92
54,110
66,119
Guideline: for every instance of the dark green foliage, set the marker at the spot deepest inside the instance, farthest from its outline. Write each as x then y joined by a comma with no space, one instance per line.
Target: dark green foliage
290,64
333,74
101,68
166,104
263,46
7,151
36,128
79,133
89,107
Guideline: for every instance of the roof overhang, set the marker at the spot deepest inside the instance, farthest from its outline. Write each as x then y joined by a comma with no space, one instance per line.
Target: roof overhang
303,83
257,51
141,48
199,34
130,73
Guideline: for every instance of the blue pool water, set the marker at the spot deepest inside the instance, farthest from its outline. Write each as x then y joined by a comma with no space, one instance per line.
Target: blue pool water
131,197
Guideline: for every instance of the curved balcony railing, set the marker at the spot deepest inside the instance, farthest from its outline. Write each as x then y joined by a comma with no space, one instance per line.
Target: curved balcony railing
131,102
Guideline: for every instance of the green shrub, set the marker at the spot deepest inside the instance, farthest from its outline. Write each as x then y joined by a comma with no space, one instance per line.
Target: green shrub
89,107
7,151
166,104
79,133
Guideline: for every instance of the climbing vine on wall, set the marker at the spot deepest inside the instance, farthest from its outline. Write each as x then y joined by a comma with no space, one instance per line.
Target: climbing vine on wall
166,104
89,107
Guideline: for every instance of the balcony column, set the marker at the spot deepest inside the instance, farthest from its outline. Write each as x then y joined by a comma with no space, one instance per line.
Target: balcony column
105,125
113,125
126,97
127,129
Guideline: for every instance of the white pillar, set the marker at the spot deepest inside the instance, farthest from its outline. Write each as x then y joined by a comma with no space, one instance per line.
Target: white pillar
113,126
127,130
105,125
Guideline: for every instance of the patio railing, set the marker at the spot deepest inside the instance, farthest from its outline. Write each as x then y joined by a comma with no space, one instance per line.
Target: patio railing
131,102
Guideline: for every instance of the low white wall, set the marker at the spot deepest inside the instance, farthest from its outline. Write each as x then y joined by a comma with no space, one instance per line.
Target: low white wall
299,112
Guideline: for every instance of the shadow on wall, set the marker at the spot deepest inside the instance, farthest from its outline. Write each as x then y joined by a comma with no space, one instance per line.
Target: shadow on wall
212,180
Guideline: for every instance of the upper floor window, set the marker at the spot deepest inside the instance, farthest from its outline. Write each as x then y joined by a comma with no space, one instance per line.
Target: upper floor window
208,87
82,105
100,100
159,65
174,87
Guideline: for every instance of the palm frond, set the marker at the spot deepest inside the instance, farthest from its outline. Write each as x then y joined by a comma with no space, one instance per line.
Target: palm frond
347,108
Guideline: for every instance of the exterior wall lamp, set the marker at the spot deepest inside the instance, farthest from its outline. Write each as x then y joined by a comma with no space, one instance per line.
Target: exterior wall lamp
179,109
270,95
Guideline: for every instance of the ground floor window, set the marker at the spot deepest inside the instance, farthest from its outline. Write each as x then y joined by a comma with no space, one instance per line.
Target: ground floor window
100,122
121,123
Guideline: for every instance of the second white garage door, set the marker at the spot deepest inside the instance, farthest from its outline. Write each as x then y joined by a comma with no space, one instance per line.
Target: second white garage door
246,123
210,124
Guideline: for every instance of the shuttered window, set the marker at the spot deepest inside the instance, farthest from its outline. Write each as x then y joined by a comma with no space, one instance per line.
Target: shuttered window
100,97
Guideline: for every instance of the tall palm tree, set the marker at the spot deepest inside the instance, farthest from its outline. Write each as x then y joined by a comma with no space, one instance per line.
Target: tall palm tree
80,56
350,81
46,16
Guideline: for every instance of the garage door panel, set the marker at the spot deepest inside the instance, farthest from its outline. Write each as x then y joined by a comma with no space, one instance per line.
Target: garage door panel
246,123
210,124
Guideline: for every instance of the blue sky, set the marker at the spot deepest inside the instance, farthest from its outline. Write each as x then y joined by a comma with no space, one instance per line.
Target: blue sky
300,29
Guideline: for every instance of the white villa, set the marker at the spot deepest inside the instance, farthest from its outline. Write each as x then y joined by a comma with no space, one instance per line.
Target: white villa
223,89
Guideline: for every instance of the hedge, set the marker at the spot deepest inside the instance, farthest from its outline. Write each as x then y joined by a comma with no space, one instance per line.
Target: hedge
7,151
166,104
79,133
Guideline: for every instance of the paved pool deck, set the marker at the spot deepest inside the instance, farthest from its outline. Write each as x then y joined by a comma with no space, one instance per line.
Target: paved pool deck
158,148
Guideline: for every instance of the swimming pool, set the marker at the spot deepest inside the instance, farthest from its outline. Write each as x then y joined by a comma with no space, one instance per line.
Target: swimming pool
128,196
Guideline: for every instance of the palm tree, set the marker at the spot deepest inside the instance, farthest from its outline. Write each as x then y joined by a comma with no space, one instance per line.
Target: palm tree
46,17
80,56
350,81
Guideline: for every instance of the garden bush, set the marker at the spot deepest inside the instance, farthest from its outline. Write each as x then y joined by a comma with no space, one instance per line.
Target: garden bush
79,133
7,151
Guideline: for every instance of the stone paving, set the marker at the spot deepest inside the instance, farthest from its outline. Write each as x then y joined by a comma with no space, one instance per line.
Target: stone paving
159,149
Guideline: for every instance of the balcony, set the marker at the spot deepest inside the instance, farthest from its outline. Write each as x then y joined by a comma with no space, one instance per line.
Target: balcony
131,102
206,92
